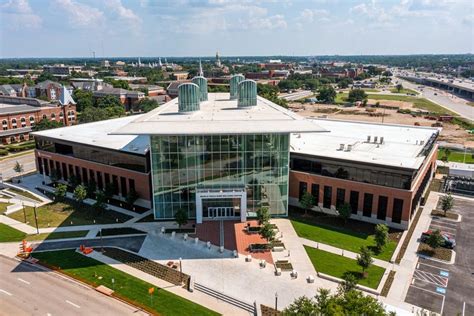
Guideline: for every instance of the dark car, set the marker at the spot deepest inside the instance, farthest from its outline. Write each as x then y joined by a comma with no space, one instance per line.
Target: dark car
449,241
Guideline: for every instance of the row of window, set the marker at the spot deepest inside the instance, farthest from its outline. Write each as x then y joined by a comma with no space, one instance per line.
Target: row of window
83,175
367,205
71,117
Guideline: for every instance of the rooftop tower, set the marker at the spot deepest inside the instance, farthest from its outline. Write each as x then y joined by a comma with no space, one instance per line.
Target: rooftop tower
188,97
247,93
202,83
234,84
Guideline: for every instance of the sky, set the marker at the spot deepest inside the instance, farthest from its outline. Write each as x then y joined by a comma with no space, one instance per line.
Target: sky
130,28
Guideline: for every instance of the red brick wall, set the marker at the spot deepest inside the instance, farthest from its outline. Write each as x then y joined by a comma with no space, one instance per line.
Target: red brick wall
142,184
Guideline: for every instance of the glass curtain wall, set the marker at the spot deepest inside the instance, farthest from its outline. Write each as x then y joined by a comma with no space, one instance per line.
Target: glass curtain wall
183,164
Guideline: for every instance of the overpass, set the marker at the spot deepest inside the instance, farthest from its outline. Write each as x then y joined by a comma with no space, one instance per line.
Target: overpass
461,87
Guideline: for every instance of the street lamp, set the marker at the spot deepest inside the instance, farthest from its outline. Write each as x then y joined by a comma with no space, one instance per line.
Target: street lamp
181,269
24,212
276,301
36,220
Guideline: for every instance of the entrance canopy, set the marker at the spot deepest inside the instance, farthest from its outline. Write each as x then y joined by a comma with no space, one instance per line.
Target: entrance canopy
214,204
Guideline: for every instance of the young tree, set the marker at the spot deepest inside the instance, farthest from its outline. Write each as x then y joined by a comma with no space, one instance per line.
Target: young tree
80,193
301,306
132,196
99,204
399,87
73,181
18,168
263,216
181,217
349,283
435,240
381,236
307,202
327,94
267,232
60,191
447,203
91,187
344,212
54,175
357,95
364,259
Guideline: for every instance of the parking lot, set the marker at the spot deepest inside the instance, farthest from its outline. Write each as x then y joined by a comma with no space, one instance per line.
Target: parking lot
447,289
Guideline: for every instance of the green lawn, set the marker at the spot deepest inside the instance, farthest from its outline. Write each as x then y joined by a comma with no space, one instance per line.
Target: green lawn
3,206
63,213
337,266
340,237
456,156
8,234
405,91
420,103
57,235
126,286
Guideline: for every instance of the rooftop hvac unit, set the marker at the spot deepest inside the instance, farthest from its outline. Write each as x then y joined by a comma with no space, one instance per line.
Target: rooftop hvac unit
349,147
422,142
247,93
375,139
234,85
202,83
368,138
341,146
188,97
381,139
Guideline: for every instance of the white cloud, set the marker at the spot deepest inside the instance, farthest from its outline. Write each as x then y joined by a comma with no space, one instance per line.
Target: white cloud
123,13
81,15
18,15
319,15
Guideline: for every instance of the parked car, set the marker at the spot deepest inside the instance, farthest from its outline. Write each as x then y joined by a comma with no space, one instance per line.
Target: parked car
449,241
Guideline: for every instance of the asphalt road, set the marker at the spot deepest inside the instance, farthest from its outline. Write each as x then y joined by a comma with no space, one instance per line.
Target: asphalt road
443,98
130,243
6,165
296,95
28,290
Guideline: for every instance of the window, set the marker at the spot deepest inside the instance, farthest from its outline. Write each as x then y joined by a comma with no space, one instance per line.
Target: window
5,125
44,117
64,168
53,116
340,197
12,139
14,123
354,201
84,175
382,207
22,137
327,198
123,186
23,122
32,121
397,211
368,199
100,183
302,189
315,192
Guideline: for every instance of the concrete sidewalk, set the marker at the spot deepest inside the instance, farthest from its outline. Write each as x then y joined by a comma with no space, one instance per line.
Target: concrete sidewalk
196,296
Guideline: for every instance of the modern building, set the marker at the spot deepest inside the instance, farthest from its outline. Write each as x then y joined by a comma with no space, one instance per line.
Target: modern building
380,170
224,158
61,70
19,115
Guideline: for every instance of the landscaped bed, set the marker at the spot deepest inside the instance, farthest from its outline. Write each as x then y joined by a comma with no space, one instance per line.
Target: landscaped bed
337,266
438,253
126,287
351,236
408,236
388,283
260,247
449,215
68,213
284,265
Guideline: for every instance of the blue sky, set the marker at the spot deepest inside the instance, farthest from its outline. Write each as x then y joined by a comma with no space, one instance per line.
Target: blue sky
69,28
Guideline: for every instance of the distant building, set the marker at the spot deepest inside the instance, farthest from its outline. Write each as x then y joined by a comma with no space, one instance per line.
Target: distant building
153,90
18,115
128,98
61,70
180,75
105,63
47,90
172,88
88,84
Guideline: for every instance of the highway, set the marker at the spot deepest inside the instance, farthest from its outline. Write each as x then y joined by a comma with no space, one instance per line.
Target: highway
443,98
296,95
7,164
28,290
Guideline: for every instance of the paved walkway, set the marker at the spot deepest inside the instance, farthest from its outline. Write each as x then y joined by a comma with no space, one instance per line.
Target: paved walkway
196,296
404,271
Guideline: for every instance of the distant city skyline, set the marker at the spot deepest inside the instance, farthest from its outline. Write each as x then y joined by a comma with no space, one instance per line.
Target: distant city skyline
181,28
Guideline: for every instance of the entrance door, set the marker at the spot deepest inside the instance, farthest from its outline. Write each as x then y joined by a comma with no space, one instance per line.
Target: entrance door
220,212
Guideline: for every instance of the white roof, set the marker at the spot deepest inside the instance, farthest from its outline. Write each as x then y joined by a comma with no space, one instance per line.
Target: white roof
98,134
219,115
401,145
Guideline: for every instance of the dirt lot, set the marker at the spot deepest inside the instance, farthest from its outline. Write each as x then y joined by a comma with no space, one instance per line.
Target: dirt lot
450,132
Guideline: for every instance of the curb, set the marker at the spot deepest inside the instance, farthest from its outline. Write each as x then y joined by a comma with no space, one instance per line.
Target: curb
453,258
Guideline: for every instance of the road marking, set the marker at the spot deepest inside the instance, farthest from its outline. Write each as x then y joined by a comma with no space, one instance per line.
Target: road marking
75,305
7,293
463,308
430,278
444,273
443,228
24,281
442,305
429,265
441,290
420,288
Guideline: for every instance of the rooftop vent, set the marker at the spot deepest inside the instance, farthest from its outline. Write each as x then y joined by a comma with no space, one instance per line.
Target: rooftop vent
247,93
188,97
234,85
341,146
349,147
381,139
375,139
368,139
202,83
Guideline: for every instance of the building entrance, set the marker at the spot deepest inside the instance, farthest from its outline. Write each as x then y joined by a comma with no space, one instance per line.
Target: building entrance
220,212
221,204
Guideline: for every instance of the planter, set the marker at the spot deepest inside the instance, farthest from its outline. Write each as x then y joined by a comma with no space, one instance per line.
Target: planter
259,247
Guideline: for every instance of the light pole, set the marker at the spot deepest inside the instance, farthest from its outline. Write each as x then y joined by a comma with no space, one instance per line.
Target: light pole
276,301
44,172
181,269
24,212
36,220
101,242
